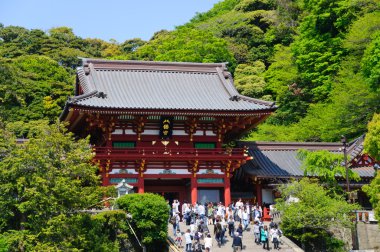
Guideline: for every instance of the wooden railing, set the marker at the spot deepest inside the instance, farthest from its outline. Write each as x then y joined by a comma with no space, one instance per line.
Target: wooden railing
367,216
170,153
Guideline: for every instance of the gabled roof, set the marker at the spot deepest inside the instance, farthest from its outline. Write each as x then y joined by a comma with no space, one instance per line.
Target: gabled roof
130,85
279,159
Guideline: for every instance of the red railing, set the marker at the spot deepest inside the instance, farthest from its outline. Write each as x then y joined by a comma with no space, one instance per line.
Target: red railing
160,153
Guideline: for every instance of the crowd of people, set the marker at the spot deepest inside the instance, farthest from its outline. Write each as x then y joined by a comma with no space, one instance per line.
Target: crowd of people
208,222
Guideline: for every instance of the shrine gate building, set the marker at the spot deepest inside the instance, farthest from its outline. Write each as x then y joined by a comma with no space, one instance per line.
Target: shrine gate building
164,127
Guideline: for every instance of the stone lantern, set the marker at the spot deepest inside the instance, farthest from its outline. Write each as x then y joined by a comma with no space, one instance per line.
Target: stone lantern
123,188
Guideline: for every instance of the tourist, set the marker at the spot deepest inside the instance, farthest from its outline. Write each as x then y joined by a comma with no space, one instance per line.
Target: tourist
239,203
210,214
230,213
175,222
202,212
204,227
231,226
218,232
248,207
271,224
240,214
208,242
175,206
257,212
178,239
275,237
264,237
237,243
256,232
245,217
220,209
184,207
240,230
224,228
188,240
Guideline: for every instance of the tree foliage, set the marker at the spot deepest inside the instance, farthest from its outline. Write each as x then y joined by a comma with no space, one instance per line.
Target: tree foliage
373,192
150,216
372,139
186,45
326,166
311,50
45,183
32,88
311,219
48,175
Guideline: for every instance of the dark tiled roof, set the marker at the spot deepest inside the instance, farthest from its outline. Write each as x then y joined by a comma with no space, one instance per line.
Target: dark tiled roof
280,159
161,86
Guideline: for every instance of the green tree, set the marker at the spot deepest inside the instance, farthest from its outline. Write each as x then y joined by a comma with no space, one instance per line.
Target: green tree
131,45
33,87
373,192
371,63
150,217
372,147
327,166
186,45
50,174
372,138
249,79
311,219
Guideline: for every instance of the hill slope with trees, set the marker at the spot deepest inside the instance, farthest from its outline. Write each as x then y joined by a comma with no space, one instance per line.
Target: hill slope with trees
317,59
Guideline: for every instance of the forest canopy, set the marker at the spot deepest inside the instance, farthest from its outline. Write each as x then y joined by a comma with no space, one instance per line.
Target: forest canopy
318,60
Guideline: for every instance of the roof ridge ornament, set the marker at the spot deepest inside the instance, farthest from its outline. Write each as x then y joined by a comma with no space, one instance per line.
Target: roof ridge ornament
101,95
235,98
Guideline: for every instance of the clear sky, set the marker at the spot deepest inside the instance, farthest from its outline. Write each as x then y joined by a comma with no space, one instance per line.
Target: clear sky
110,19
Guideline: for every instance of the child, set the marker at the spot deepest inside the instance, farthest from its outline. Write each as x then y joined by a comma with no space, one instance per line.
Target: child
178,239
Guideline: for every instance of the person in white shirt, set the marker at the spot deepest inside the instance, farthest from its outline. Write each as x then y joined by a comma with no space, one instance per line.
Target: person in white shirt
245,217
240,214
239,203
220,210
188,240
175,206
202,212
183,208
275,237
208,242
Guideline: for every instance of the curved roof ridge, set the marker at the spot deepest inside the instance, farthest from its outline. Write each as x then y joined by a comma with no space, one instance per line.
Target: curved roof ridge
250,99
231,90
83,82
100,63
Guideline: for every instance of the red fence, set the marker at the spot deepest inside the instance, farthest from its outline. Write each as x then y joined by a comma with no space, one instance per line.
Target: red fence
170,153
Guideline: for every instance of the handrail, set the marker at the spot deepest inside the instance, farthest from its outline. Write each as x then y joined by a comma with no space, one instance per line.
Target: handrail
172,246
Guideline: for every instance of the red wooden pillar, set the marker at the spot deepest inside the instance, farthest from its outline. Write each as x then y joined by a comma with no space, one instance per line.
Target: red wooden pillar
140,184
104,174
106,180
259,193
227,191
194,190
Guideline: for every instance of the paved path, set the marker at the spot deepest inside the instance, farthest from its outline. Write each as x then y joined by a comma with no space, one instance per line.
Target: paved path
248,241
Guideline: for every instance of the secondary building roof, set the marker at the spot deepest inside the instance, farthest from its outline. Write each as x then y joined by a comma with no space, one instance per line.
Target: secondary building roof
164,86
279,159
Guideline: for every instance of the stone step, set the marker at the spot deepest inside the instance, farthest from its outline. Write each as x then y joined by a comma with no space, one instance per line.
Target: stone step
248,241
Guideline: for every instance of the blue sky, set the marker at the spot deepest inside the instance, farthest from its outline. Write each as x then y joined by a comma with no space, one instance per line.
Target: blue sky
110,19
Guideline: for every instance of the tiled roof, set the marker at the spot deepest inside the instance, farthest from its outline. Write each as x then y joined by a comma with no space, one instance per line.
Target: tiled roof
280,159
162,86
